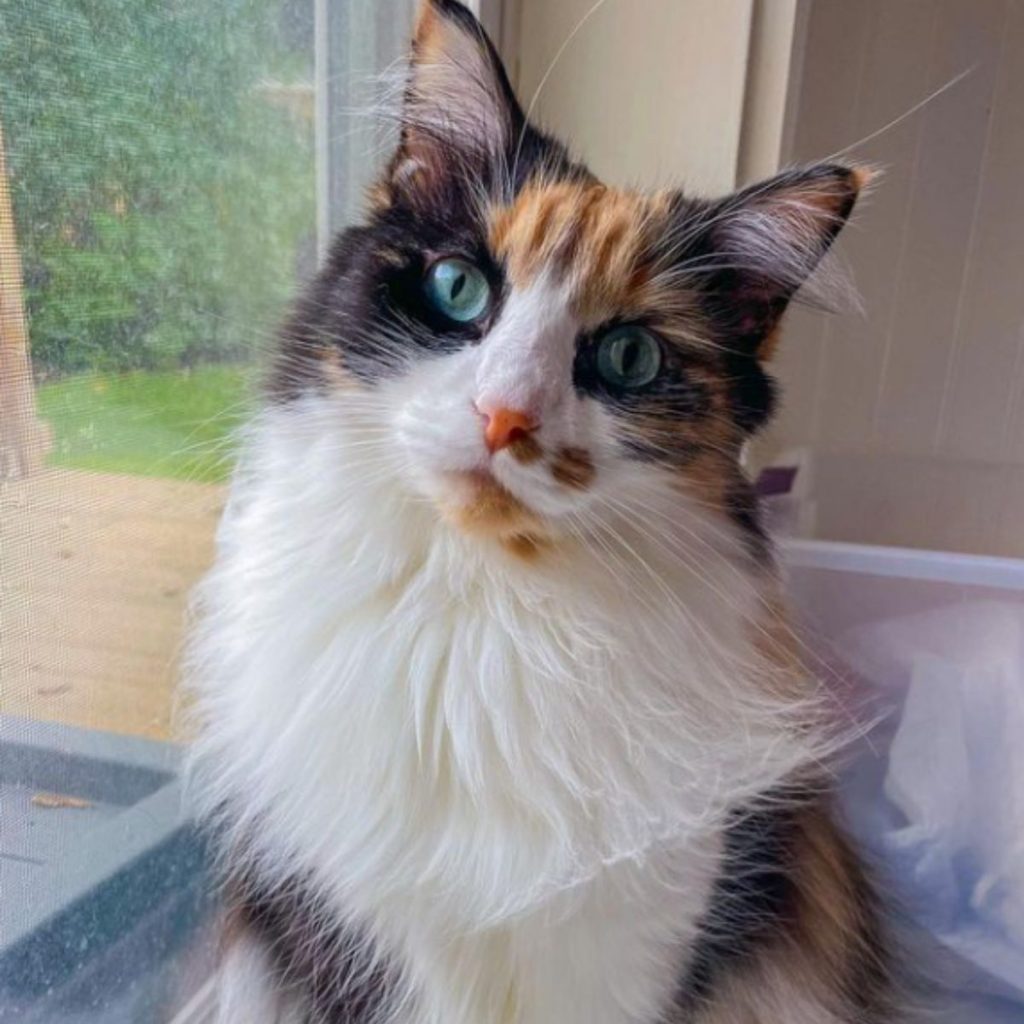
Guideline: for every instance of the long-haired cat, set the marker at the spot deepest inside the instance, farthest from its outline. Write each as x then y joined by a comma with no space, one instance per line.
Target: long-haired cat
501,720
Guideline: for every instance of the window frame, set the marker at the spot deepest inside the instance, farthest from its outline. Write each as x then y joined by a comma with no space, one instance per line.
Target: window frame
341,170
501,19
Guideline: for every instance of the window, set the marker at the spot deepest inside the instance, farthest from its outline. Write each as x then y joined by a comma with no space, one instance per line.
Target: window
170,171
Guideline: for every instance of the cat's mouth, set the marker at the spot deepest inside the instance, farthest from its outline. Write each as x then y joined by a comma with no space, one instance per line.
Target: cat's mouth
478,503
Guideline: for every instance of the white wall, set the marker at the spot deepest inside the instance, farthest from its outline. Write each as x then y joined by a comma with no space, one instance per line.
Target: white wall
648,91
777,31
919,404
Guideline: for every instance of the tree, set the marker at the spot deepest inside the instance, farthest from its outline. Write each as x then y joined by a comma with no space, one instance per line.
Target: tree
161,196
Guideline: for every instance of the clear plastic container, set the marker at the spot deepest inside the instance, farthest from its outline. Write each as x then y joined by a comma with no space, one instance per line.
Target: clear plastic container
931,646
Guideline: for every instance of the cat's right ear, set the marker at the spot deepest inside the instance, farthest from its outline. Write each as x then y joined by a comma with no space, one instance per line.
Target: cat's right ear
460,114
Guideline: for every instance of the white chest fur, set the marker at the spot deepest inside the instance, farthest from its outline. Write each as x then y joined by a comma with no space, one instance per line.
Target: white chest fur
514,775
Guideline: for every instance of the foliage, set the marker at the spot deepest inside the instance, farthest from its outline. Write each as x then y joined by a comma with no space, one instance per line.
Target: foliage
174,424
162,189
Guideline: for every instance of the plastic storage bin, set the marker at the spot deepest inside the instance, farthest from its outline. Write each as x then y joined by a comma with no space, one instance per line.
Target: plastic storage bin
932,644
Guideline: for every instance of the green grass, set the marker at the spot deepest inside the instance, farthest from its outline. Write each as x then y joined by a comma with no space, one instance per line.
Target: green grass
176,424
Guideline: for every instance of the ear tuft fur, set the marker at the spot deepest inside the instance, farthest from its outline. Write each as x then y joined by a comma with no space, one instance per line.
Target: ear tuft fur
768,239
459,105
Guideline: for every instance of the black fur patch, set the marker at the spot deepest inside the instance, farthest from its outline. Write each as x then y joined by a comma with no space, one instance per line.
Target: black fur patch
789,878
750,900
744,509
331,969
752,392
366,304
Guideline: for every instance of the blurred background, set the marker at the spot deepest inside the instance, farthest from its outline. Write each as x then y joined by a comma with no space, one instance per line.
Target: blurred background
171,171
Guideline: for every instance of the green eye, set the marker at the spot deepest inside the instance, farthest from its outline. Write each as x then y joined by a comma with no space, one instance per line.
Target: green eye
458,289
628,357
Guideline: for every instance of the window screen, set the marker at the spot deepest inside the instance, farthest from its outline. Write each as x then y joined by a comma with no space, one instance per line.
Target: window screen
170,172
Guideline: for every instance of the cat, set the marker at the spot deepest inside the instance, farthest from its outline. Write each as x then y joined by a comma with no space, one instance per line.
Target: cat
500,719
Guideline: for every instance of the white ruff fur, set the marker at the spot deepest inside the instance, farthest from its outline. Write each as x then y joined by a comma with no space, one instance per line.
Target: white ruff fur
511,774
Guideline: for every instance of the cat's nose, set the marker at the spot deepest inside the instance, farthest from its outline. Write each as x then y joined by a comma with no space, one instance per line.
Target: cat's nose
505,426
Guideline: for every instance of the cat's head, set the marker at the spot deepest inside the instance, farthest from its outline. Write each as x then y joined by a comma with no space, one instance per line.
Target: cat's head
534,345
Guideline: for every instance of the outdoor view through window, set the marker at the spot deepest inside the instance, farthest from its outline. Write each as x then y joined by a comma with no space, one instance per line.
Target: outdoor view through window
169,172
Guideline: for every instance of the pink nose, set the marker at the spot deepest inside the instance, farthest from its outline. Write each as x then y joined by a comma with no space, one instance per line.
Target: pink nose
506,426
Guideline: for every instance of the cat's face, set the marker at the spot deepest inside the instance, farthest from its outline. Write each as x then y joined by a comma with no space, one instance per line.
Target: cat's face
534,344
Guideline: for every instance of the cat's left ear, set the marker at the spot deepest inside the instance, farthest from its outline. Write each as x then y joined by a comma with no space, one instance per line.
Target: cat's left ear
764,242
460,111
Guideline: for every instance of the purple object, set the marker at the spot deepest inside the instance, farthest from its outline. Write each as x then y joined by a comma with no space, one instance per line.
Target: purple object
775,480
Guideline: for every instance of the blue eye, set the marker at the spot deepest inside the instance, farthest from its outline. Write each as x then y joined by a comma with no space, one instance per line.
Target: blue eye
458,290
628,357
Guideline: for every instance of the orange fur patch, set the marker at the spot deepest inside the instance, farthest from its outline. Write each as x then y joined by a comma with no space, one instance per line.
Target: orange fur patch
428,39
334,371
525,546
483,506
862,176
767,348
775,638
574,468
526,450
597,237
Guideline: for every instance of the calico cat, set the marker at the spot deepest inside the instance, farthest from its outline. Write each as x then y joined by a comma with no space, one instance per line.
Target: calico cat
501,721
